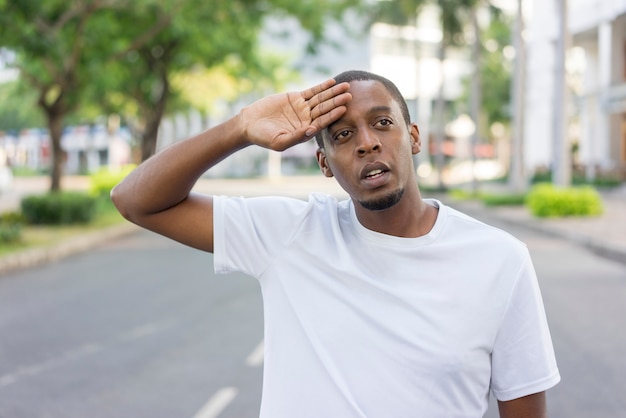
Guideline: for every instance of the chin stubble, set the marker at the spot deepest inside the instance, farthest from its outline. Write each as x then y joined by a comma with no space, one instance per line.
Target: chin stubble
384,202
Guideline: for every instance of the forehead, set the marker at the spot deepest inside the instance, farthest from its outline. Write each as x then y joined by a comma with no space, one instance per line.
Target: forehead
369,97
367,94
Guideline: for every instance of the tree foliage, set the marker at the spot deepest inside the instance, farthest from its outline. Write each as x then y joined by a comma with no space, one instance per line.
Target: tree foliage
60,46
16,107
497,69
124,55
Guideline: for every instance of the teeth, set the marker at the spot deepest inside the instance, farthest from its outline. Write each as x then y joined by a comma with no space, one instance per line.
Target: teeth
374,172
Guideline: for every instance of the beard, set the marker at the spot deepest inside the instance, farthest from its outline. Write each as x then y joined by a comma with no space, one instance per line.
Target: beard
384,202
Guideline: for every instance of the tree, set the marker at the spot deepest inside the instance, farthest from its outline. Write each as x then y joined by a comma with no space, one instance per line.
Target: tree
453,16
199,37
60,46
16,102
487,101
67,48
141,77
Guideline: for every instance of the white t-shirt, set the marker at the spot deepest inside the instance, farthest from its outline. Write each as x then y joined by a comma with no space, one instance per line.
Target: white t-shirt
363,324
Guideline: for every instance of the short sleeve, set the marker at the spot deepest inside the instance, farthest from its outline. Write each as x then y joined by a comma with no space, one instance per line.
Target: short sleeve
249,232
523,360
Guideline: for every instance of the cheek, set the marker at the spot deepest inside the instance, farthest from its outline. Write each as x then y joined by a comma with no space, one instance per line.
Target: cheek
339,168
407,157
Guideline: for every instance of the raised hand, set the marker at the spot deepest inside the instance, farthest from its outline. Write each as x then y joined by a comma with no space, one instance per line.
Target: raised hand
282,120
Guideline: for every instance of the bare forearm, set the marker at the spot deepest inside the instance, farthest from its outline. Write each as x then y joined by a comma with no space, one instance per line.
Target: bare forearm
531,406
157,195
166,179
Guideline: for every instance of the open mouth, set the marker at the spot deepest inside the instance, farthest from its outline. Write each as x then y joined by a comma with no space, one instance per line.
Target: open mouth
374,173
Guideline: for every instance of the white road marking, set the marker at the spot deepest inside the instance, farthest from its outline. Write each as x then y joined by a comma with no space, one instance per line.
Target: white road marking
255,358
138,332
217,403
34,369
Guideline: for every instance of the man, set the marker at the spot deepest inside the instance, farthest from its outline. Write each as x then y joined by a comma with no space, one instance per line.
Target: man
382,305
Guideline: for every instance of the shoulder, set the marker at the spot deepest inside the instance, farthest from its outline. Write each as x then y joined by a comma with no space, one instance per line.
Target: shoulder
277,206
469,230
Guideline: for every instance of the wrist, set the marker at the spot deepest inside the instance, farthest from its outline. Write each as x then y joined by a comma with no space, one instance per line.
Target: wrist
239,130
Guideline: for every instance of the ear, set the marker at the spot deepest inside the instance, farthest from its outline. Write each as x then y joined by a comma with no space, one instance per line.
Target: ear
320,154
416,141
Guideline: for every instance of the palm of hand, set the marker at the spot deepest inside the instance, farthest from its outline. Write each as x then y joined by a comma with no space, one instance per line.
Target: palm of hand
279,121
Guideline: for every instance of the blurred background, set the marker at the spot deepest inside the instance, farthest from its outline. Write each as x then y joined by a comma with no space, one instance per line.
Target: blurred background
521,106
512,90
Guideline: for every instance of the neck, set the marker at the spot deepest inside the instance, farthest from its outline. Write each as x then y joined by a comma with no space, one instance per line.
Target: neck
411,217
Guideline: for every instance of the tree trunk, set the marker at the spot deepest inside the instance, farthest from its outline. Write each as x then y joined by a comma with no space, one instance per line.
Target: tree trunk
439,120
55,130
153,120
149,137
476,96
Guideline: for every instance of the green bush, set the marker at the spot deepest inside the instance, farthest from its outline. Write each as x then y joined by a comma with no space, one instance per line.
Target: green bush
603,179
11,224
103,181
546,200
59,208
461,194
489,199
501,199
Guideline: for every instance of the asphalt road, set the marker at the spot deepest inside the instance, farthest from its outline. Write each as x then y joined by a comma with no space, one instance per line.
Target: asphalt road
140,327
585,300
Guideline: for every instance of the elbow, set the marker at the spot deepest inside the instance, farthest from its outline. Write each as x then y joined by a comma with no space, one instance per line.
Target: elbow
120,201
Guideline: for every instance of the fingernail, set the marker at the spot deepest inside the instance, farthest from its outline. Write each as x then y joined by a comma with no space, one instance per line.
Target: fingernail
310,132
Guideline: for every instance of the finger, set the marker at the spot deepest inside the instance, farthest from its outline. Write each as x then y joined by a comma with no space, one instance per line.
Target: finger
330,104
326,119
309,93
328,94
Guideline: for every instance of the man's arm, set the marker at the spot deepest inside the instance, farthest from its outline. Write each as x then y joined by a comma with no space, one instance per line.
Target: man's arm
157,194
531,406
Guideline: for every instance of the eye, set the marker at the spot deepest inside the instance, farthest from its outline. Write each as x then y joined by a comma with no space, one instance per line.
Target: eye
341,135
384,122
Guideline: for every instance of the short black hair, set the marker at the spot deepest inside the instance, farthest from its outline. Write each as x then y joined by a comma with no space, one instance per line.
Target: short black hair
359,75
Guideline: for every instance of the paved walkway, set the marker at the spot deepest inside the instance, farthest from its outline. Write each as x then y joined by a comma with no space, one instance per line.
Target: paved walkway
605,234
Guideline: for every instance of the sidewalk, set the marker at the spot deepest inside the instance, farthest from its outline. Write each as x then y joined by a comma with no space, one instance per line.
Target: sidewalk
605,235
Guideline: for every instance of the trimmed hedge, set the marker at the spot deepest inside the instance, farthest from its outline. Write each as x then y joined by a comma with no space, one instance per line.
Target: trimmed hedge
546,200
59,208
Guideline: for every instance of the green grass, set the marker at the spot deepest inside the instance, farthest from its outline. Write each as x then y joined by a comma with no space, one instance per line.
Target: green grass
41,236
489,199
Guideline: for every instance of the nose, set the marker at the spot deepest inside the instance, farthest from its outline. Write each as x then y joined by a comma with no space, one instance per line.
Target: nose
367,142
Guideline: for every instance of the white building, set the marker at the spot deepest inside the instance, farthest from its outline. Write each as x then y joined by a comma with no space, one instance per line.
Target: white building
596,80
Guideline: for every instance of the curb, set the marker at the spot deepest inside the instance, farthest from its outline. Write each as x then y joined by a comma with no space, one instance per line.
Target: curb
595,245
82,242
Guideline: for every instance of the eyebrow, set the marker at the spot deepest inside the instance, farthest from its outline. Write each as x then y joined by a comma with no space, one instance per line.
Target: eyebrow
373,110
378,109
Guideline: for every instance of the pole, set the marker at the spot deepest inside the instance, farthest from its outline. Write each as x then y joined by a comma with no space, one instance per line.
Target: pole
561,169
517,180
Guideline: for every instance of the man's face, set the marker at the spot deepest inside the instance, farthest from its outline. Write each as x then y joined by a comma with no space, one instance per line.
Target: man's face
369,150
